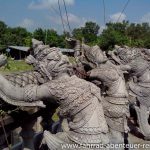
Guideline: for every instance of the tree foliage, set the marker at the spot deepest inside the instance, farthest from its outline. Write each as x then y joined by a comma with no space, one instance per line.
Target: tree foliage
39,34
89,32
13,36
125,33
134,35
114,34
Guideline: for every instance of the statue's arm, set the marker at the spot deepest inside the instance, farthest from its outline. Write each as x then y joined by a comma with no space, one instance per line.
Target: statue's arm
94,73
28,94
124,67
102,74
114,57
13,92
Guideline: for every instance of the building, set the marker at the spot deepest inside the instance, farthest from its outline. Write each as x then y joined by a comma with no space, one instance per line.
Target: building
21,52
18,52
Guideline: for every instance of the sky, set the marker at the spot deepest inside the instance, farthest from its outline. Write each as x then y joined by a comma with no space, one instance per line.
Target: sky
33,14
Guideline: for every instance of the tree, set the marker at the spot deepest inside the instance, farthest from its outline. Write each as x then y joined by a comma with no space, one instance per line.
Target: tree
19,35
90,32
3,28
15,36
39,34
52,37
28,41
62,41
118,26
125,33
113,35
77,33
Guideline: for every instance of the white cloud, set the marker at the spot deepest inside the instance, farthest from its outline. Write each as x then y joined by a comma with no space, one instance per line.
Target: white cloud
46,4
118,17
27,23
146,18
74,20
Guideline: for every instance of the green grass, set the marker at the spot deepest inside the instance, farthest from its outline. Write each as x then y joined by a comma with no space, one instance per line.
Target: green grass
55,116
15,66
72,60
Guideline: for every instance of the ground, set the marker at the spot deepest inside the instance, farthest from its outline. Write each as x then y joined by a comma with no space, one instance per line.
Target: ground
143,144
15,66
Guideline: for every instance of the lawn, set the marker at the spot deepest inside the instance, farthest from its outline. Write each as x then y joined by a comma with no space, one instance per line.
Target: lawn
20,65
15,66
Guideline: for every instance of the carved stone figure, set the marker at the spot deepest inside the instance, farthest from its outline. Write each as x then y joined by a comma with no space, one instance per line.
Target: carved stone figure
115,101
115,98
139,84
79,100
115,95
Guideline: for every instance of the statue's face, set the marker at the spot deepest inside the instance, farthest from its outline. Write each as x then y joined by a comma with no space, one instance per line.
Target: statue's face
50,61
55,62
41,51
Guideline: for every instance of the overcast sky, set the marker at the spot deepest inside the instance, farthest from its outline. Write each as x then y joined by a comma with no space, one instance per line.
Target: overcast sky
32,14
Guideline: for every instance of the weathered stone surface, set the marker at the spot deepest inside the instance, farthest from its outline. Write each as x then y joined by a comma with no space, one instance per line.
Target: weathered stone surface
93,113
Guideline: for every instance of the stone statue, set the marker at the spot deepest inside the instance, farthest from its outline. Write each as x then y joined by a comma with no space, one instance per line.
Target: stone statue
115,102
108,75
139,84
80,101
115,95
22,79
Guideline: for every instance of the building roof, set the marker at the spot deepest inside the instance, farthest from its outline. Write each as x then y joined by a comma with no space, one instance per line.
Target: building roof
67,50
26,49
21,48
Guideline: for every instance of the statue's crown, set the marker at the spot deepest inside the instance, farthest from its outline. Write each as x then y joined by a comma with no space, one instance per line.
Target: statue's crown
35,43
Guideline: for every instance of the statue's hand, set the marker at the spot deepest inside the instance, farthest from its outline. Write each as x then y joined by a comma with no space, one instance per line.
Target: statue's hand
30,60
3,60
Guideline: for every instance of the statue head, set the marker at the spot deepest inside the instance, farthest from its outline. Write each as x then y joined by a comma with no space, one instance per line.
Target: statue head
51,61
35,43
38,47
94,55
126,55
